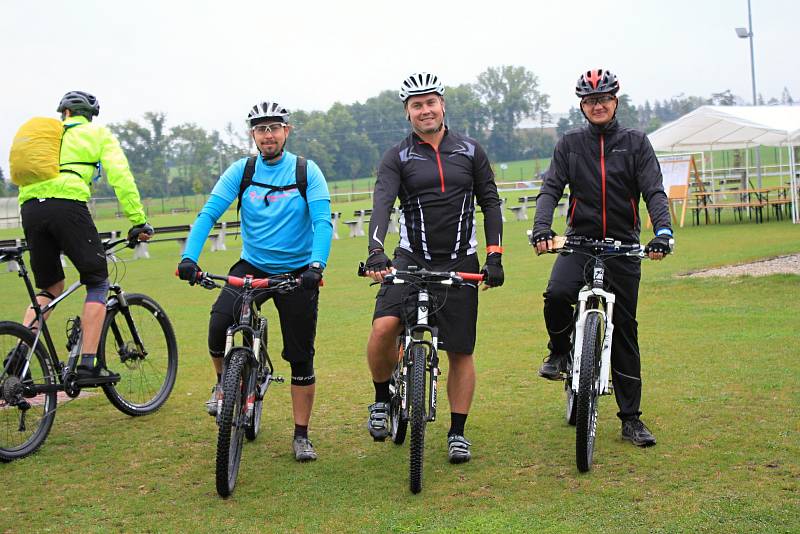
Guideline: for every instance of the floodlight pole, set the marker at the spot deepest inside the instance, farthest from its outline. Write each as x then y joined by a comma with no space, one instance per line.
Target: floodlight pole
749,35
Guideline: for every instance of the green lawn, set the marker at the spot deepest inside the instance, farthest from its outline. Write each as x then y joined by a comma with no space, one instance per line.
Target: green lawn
721,368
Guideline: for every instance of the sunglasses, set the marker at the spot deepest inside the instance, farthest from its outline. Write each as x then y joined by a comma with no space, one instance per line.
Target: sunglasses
594,100
268,128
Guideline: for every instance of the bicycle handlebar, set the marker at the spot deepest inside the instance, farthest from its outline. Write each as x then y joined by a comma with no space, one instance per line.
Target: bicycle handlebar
428,276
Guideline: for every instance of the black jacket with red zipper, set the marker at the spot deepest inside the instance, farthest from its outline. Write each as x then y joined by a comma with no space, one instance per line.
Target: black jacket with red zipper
607,169
437,191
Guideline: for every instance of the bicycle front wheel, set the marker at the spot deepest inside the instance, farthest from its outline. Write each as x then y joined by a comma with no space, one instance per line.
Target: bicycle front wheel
27,397
417,416
588,392
232,422
138,342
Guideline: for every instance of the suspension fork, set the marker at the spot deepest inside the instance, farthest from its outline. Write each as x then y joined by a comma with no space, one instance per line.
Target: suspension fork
120,300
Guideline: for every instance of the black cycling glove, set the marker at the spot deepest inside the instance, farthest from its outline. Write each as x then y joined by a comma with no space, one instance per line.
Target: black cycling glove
188,270
144,228
377,261
542,235
493,270
659,244
311,277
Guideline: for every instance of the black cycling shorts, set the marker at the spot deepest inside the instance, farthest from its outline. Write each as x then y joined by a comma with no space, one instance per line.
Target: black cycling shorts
53,225
297,311
454,310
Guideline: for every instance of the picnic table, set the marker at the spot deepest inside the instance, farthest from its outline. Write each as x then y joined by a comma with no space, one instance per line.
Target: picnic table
357,224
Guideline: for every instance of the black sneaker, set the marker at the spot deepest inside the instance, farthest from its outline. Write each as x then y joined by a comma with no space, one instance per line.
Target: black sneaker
554,367
636,432
96,375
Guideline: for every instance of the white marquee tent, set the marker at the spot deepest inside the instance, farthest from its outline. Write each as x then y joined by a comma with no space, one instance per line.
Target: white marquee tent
726,127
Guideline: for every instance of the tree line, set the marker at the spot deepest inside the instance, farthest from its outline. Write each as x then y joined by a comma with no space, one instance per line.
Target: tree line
348,140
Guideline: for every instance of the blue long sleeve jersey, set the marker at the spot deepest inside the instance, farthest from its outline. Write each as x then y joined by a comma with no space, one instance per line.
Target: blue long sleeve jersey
280,236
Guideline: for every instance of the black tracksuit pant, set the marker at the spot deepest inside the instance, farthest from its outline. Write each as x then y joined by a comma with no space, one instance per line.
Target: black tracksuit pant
622,278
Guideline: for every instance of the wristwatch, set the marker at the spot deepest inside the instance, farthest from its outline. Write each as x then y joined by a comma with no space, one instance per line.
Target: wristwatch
315,265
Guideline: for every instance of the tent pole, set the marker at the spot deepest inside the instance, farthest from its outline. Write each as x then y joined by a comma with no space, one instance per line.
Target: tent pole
793,185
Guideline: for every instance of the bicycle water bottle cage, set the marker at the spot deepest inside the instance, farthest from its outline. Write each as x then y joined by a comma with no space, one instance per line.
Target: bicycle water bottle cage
73,331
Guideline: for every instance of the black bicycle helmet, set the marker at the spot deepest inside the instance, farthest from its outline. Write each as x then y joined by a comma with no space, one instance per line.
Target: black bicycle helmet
80,103
267,110
598,81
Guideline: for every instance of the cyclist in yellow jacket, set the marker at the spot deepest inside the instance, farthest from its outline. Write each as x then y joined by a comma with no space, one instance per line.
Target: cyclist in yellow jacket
55,218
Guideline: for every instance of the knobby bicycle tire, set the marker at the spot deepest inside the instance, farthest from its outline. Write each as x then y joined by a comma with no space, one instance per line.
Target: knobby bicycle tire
398,387
586,416
231,423
23,431
146,376
417,416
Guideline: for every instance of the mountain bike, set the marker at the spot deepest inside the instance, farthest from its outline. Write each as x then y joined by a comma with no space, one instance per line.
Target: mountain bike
247,371
589,361
137,341
413,396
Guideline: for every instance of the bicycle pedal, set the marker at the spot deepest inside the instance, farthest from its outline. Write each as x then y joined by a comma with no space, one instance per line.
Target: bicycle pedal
279,379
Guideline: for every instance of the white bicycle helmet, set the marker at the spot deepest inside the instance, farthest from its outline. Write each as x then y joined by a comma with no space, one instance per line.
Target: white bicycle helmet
420,83
267,110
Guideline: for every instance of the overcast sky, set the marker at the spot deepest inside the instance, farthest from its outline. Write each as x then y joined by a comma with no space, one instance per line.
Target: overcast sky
208,61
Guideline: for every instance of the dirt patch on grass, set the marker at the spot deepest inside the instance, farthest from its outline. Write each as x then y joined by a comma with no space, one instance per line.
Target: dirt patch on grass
789,264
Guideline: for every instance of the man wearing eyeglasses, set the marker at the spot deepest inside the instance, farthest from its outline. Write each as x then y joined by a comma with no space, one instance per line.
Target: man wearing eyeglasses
438,175
608,169
286,229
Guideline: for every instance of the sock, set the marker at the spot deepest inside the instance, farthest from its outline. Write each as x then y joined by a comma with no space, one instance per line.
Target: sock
382,391
457,422
87,359
300,431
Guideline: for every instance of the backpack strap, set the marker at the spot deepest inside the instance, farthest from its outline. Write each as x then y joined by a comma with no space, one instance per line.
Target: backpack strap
95,164
301,184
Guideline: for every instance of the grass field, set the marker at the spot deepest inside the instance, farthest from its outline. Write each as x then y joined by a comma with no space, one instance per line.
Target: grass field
721,367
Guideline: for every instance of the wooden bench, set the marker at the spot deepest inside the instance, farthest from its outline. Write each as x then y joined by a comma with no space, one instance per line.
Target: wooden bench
521,211
740,201
357,225
173,211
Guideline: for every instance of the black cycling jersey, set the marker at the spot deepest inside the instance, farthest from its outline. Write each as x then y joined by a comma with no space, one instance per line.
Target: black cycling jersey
437,191
608,169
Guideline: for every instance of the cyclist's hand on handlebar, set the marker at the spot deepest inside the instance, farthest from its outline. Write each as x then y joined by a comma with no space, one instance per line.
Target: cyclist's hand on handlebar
543,240
658,247
140,232
377,264
189,270
311,277
492,271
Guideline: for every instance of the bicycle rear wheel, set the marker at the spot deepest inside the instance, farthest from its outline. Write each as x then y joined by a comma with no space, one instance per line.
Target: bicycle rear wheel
569,394
147,371
417,416
588,392
26,412
232,422
397,386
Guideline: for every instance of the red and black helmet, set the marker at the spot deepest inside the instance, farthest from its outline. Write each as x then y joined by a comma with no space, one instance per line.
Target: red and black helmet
597,81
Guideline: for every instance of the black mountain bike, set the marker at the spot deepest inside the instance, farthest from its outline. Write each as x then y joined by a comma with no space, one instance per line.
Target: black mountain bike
247,372
589,362
413,395
137,341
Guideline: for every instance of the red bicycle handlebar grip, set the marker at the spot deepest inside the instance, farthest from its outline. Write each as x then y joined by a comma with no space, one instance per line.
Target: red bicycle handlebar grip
472,277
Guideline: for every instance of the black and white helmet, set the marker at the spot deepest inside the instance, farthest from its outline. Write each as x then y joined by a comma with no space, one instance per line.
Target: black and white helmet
420,83
267,110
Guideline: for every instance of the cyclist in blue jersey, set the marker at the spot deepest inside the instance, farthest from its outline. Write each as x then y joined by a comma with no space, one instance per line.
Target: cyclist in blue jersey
285,228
